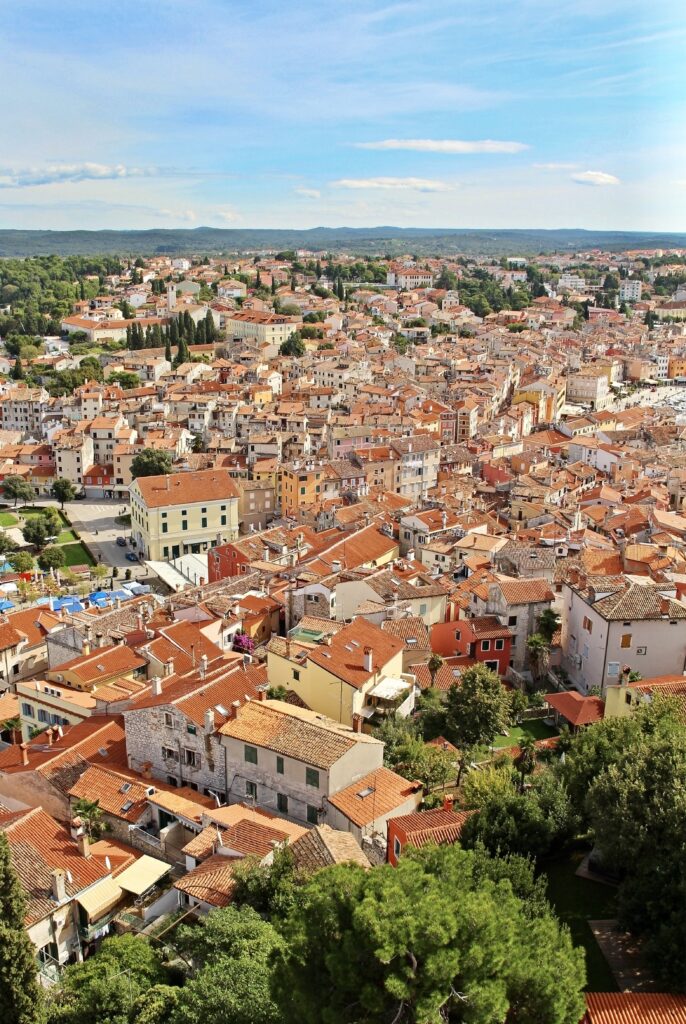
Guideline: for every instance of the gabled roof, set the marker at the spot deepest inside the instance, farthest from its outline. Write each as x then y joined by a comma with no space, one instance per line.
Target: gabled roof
374,796
436,826
322,846
344,656
576,709
634,1008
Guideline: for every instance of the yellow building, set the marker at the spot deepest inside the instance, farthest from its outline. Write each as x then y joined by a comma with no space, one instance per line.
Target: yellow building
262,327
338,677
300,485
621,700
172,515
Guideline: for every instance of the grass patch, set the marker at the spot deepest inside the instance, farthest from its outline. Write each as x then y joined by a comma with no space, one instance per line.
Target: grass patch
66,537
77,554
7,519
577,901
31,511
536,728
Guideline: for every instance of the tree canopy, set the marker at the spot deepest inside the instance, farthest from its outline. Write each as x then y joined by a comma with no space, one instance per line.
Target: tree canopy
151,462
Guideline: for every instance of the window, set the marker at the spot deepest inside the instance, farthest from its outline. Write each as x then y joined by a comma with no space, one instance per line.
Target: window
302,490
296,675
613,668
485,645
512,620
223,520
251,790
587,624
458,634
627,698
203,522
27,711
312,777
168,720
626,640
165,527
191,729
422,609
170,754
282,803
250,754
312,814
500,645
191,759
184,524
42,715
279,766
397,847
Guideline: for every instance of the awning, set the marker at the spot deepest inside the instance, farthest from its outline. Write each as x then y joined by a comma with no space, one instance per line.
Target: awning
389,689
142,875
100,898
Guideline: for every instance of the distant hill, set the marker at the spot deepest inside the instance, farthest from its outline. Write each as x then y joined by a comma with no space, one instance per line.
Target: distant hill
358,240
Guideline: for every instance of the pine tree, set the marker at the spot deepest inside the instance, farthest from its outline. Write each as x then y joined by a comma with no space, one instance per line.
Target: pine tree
20,994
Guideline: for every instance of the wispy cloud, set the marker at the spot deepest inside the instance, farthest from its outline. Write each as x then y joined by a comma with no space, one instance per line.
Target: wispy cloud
398,184
595,178
460,146
52,174
308,193
227,214
555,167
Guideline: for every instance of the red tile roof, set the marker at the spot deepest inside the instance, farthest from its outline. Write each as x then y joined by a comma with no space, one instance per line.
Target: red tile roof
374,796
187,488
576,709
436,826
634,1008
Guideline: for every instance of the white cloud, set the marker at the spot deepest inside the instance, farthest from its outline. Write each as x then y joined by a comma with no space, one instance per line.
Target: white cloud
595,178
400,184
555,167
188,216
462,146
308,193
52,174
227,214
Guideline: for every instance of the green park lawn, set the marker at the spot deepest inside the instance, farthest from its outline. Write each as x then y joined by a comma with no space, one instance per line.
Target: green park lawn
66,537
536,728
76,554
7,519
576,901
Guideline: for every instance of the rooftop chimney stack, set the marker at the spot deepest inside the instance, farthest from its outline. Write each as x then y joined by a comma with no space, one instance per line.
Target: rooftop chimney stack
448,802
24,753
209,721
368,655
157,686
169,667
203,666
357,723
59,885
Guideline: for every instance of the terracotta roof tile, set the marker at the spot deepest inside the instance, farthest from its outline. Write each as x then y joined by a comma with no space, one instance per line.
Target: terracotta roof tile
211,882
323,846
374,796
187,488
634,1008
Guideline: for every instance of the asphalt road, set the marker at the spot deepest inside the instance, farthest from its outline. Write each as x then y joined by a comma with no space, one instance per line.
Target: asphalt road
95,522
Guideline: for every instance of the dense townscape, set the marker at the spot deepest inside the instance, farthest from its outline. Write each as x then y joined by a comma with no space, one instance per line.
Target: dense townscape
343,638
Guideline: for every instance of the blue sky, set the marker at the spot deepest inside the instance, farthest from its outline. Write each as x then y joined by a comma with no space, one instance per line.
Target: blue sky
437,113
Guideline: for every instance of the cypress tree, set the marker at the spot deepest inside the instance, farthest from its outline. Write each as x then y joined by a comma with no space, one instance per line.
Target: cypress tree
273,286
318,269
258,280
174,333
167,349
148,337
200,335
129,338
210,329
20,994
157,336
17,370
183,355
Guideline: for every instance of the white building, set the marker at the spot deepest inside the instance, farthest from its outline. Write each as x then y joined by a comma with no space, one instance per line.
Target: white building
630,290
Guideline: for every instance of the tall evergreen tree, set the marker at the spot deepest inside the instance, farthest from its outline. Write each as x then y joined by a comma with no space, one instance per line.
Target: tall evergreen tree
20,994
17,370
183,354
174,332
200,336
258,280
167,349
157,336
148,337
210,329
129,337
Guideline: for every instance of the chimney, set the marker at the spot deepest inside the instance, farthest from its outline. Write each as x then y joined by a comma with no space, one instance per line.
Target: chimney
59,885
156,686
86,647
664,606
265,553
357,723
368,659
146,769
448,802
209,721
203,666
139,622
444,519
169,667
99,640
49,736
24,753
336,565
410,555
80,836
193,654
262,692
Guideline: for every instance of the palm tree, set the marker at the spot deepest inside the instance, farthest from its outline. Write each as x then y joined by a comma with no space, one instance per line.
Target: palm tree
525,762
539,651
435,665
91,815
548,624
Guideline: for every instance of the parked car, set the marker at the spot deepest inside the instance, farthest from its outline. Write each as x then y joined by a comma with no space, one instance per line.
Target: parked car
131,556
121,542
